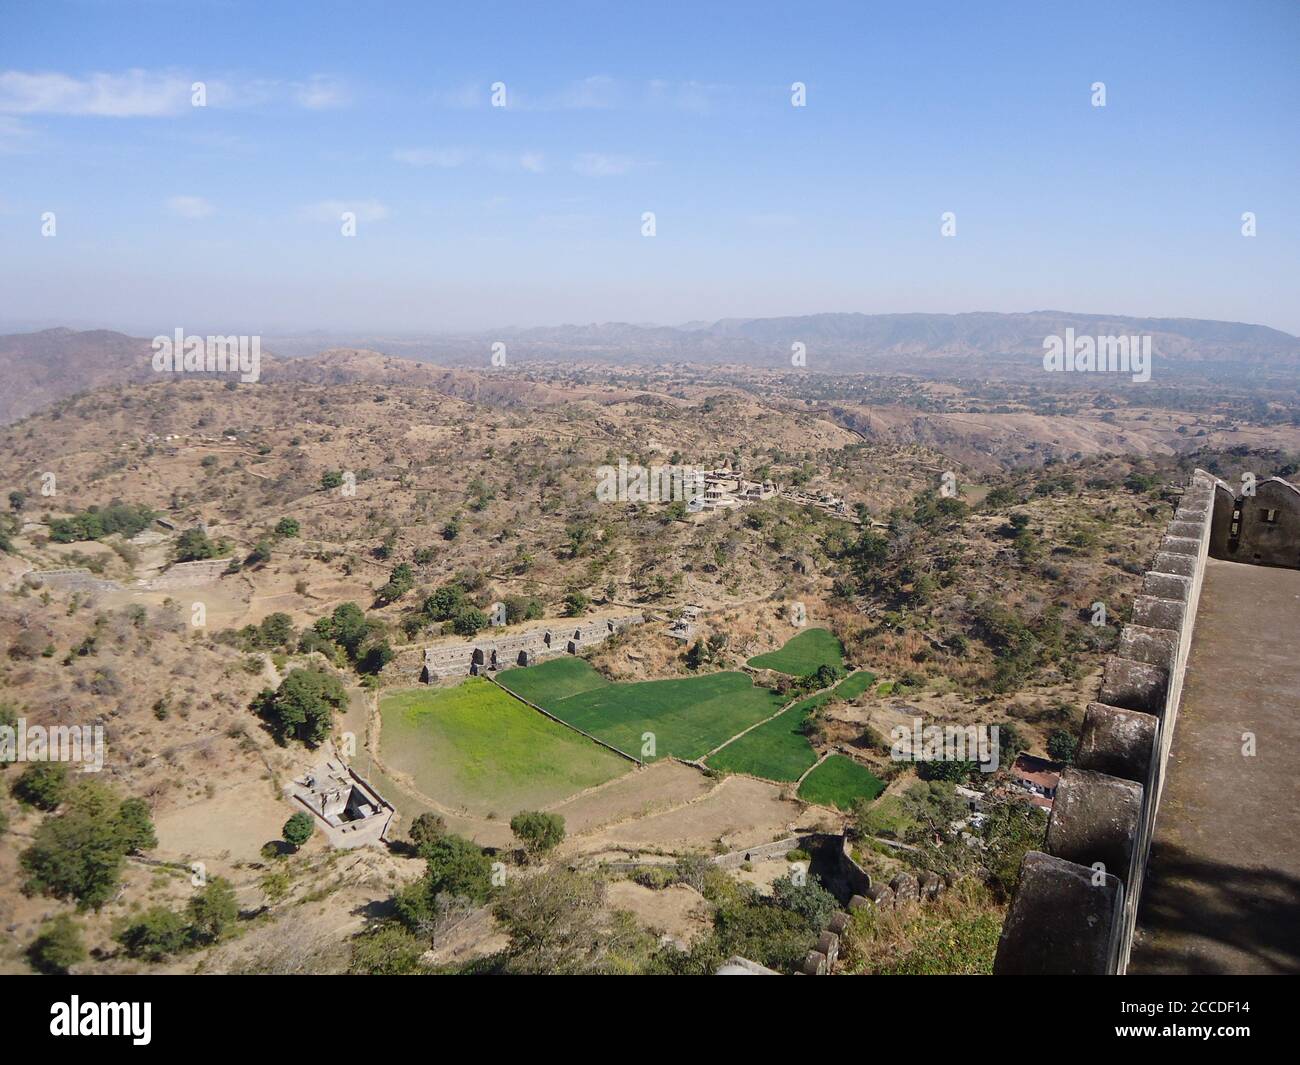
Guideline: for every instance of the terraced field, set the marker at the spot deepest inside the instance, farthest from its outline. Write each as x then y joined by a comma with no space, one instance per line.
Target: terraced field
855,684
839,781
473,747
776,750
688,716
803,654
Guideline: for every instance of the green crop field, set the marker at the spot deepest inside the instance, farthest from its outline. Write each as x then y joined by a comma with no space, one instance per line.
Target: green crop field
803,654
688,716
474,746
552,681
855,684
839,781
776,750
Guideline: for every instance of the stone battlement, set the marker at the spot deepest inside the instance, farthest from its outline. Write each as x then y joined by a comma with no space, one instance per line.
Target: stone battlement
485,654
1075,907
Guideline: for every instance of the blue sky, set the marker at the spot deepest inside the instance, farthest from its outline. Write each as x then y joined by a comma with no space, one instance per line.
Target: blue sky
472,216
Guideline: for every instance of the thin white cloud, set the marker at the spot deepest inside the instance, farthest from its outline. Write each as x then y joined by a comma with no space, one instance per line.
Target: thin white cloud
321,93
596,164
333,210
136,93
190,207
597,93
696,96
533,162
443,158
464,97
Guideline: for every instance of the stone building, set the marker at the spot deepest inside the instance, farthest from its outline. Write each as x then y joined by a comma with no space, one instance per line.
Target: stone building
346,808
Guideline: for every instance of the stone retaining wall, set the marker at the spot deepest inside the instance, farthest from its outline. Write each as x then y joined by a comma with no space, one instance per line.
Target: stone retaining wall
487,654
1076,903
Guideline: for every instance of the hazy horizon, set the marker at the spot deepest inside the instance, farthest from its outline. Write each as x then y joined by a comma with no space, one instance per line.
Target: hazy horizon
471,217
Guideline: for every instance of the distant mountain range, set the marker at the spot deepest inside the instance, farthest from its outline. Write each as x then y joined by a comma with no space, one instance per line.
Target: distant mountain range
840,343
39,368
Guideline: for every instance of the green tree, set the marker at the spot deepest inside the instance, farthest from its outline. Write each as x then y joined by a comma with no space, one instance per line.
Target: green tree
43,785
444,602
298,829
427,828
458,867
539,832
193,545
287,528
331,479
213,911
303,706
260,555
346,626
468,621
401,581
155,934
276,630
58,945
808,899
387,950
79,853
1063,746
1009,830
136,826
375,656
554,921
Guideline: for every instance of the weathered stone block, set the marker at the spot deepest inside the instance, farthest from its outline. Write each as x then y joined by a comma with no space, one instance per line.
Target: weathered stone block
839,921
1060,921
931,885
1134,685
906,888
814,964
1194,512
1095,818
1190,529
1117,741
1155,647
1181,545
1167,586
1152,612
1183,565
828,944
859,902
881,896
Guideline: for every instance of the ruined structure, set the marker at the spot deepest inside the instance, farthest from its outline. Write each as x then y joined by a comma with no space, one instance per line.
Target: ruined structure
1259,526
346,808
178,575
1080,904
484,654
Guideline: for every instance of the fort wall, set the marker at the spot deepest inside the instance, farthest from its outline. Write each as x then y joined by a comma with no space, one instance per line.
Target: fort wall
1075,907
488,654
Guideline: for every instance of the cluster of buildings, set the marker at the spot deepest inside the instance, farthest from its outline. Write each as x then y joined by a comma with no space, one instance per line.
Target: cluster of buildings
725,489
